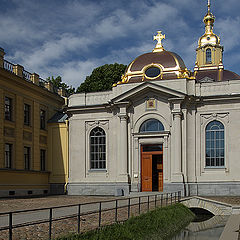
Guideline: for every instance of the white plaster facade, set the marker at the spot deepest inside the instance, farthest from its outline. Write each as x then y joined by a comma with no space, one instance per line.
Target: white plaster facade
184,107
184,102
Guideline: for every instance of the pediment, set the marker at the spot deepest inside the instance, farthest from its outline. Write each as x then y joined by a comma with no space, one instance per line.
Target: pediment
148,87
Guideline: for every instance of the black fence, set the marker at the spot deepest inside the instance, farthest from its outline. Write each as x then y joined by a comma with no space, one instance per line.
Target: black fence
91,213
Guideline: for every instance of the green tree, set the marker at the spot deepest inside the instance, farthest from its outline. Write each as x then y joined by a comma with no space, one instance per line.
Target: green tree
102,78
57,82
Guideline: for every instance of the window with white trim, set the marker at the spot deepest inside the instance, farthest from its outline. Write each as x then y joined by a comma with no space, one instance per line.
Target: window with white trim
215,144
97,148
151,125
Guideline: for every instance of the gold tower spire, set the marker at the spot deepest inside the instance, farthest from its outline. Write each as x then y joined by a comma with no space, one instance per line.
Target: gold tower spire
209,51
209,20
209,5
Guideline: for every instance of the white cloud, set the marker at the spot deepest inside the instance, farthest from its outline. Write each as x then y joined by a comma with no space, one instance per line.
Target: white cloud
229,29
71,38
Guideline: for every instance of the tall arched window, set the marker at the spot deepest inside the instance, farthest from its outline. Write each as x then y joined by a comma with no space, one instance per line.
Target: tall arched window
208,55
97,148
151,125
215,144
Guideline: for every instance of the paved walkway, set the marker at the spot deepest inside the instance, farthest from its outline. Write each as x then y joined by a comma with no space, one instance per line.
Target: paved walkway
7,205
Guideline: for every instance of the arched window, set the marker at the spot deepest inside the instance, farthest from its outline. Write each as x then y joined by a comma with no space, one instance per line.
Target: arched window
97,148
215,144
152,125
208,55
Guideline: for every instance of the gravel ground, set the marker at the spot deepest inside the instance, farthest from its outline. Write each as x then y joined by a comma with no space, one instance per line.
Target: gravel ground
7,205
66,226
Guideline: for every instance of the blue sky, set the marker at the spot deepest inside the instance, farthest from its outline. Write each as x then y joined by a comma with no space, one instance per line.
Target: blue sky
72,37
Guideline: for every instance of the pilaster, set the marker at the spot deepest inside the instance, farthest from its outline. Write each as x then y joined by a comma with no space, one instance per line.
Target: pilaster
2,53
123,156
177,143
1,129
19,161
36,136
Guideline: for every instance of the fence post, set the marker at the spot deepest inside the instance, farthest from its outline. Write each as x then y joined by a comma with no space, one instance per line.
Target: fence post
79,214
155,201
116,210
10,226
167,200
175,197
139,205
100,214
161,200
50,223
179,196
148,203
171,198
129,208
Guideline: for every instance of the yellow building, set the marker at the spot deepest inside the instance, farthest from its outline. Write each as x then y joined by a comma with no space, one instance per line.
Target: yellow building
33,134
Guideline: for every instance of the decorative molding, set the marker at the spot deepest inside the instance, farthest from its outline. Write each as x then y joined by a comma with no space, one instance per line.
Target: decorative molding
9,132
96,123
206,80
42,139
151,104
214,116
27,136
123,116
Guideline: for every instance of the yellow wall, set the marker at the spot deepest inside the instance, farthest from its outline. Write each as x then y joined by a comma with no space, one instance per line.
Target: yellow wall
16,133
58,152
13,179
216,56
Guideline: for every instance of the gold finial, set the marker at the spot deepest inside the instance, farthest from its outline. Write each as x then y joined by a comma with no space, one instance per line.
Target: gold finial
209,20
159,37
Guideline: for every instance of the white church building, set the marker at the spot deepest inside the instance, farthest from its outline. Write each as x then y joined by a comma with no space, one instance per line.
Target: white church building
162,128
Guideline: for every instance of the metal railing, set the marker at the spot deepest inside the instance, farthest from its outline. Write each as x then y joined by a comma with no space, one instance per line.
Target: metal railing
119,210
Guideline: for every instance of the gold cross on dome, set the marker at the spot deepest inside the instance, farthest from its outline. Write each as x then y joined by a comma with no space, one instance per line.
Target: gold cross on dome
159,37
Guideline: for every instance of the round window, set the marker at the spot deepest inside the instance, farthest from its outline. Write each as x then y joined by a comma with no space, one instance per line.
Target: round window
152,72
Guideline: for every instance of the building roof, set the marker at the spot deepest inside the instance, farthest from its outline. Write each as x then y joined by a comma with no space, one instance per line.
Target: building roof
166,64
58,117
215,75
165,58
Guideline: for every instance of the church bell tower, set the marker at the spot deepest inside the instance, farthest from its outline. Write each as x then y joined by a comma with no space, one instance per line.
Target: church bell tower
209,51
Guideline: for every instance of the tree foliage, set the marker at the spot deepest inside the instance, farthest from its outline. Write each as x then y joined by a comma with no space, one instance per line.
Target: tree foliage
102,78
57,82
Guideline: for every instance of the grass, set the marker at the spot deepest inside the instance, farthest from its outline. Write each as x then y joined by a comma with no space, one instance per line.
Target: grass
161,223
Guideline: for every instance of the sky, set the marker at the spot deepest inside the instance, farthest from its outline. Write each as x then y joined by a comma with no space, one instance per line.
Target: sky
72,37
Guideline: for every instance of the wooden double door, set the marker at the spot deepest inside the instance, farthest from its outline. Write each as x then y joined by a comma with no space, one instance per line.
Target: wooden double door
151,168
